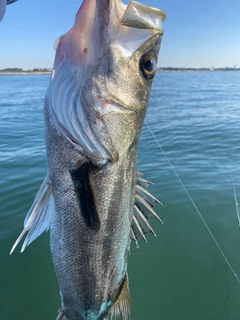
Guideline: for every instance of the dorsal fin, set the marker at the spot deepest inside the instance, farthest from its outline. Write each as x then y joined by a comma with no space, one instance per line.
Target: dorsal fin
143,210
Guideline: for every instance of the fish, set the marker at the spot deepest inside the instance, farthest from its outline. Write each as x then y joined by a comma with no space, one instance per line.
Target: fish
3,4
93,199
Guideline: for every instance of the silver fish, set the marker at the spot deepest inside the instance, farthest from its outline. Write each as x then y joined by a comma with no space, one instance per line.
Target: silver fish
93,199
3,4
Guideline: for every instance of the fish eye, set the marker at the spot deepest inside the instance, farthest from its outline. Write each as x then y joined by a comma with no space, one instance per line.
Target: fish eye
147,66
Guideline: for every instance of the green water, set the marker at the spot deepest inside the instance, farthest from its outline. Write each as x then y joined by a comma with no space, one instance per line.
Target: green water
181,274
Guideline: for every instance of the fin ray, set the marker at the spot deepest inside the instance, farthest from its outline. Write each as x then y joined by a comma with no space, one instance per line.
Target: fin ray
147,206
137,229
148,194
133,237
143,180
145,225
39,215
143,210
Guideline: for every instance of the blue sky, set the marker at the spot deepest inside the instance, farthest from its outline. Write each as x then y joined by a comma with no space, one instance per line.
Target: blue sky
198,33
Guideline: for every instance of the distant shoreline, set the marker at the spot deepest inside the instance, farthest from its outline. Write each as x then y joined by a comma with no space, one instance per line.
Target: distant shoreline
23,73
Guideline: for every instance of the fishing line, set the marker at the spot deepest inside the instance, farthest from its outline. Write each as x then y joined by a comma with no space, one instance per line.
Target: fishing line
193,203
235,199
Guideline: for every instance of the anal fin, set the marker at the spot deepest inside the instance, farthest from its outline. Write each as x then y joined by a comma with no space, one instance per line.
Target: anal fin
39,215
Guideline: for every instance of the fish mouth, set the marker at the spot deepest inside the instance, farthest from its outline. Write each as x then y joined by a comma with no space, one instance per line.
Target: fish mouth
103,107
112,107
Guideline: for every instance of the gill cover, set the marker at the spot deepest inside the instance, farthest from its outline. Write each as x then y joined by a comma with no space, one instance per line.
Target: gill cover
98,24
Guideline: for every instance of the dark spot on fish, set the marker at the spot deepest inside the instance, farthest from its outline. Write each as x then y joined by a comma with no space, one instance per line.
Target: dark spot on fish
88,203
85,50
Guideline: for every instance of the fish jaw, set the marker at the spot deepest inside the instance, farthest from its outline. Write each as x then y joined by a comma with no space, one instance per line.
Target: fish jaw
105,43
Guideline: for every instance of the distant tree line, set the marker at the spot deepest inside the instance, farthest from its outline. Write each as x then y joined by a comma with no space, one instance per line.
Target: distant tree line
19,70
12,70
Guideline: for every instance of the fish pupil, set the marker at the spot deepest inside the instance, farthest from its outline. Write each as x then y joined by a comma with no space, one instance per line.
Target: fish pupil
147,66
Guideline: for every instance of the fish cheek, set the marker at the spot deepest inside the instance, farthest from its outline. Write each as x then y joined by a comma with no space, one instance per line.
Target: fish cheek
120,81
132,90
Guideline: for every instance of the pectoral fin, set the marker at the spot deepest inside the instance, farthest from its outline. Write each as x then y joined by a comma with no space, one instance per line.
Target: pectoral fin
39,215
143,210
121,307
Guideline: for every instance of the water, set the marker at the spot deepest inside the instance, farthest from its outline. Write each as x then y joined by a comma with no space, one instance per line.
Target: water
181,274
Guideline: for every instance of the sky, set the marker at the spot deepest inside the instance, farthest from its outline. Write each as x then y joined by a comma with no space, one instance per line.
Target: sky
197,33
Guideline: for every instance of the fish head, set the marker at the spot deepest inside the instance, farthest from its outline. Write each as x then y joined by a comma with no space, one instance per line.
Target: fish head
102,76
